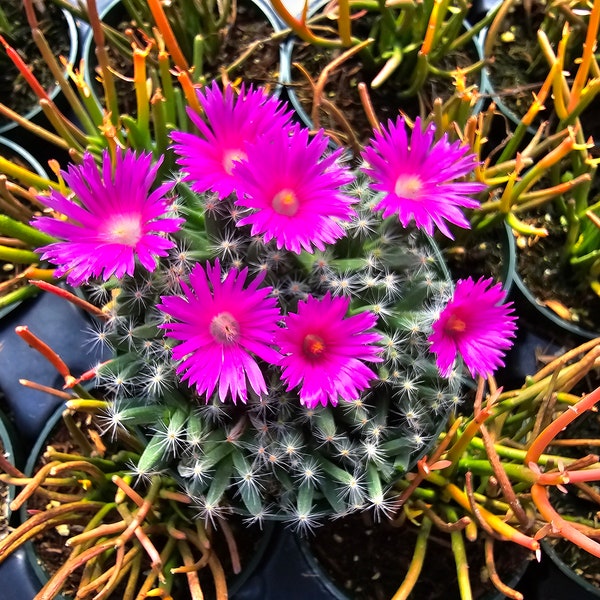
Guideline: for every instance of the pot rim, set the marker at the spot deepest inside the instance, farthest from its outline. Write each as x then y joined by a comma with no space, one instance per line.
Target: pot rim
73,35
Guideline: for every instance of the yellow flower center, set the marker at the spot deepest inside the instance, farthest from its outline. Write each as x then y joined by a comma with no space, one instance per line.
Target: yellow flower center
124,229
286,203
408,186
231,157
313,345
224,328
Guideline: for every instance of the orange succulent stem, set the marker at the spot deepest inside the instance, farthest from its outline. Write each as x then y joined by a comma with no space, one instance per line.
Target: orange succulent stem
50,355
539,495
538,197
189,91
32,385
300,27
540,168
460,446
431,28
544,439
35,85
589,46
495,522
566,476
72,298
141,93
167,32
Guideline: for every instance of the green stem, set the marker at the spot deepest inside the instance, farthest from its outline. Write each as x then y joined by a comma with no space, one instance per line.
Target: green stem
25,233
18,255
416,564
457,541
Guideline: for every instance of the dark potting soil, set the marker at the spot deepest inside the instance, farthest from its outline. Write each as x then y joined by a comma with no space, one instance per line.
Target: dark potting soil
255,63
341,91
517,67
381,553
552,280
14,89
484,255
513,73
52,553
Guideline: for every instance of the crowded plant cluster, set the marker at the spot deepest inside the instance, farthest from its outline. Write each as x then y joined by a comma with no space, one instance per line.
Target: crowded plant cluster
283,332
282,338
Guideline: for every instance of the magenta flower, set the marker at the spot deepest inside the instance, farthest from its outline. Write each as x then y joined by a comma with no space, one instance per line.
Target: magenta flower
417,176
231,121
113,218
324,351
475,324
294,191
221,324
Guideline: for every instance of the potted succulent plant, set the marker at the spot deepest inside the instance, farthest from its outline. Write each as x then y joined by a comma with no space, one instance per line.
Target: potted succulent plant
286,290
362,62
17,207
55,34
486,480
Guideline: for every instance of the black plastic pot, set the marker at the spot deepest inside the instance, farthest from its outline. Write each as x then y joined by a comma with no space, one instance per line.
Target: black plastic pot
110,11
541,318
62,326
17,580
285,72
12,129
581,588
9,148
9,451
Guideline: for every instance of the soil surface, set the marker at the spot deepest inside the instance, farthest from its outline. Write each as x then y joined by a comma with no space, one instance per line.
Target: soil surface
478,255
553,281
381,553
14,89
52,552
341,91
518,68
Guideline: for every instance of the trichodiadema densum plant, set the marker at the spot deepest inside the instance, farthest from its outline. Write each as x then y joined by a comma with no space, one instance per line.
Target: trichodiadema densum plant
281,326
272,451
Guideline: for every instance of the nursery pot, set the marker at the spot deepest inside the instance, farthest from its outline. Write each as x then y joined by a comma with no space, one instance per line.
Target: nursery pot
574,584
542,319
63,327
16,153
35,114
490,253
114,12
242,585
385,109
7,492
369,573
